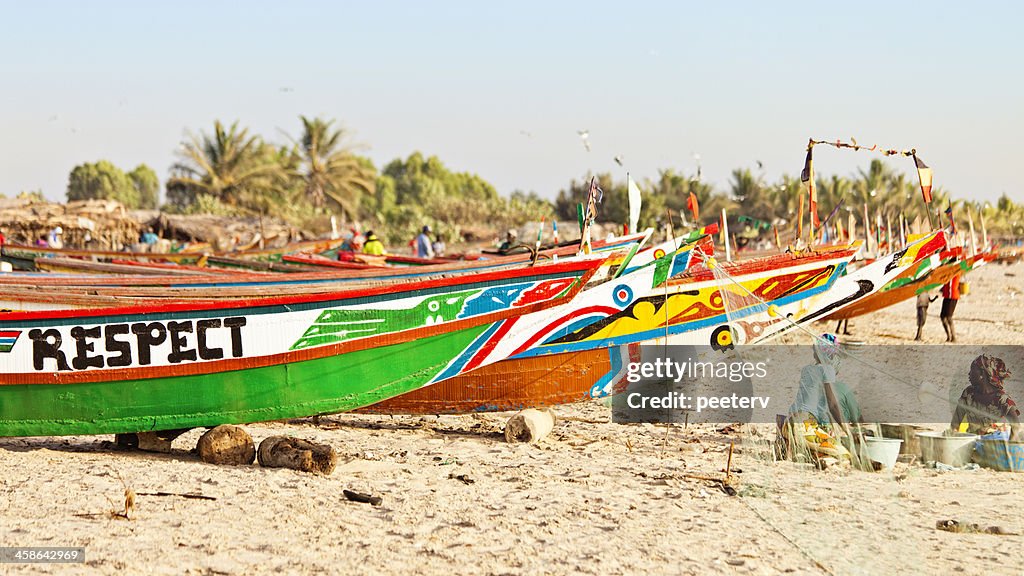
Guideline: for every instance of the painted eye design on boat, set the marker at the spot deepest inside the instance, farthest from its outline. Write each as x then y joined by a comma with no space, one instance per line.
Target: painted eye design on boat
723,338
659,253
623,295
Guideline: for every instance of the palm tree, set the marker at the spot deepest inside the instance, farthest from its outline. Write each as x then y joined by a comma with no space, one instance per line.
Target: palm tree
331,170
754,199
673,188
230,166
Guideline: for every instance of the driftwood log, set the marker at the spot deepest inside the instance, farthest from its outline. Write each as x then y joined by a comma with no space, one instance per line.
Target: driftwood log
530,425
226,444
297,454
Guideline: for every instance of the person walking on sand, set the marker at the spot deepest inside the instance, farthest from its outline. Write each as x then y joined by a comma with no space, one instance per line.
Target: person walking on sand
424,249
950,296
923,300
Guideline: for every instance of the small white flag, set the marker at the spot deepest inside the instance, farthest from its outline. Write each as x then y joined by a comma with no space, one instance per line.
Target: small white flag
634,204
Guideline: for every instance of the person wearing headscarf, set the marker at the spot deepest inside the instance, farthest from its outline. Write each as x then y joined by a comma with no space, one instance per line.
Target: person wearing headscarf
984,405
823,405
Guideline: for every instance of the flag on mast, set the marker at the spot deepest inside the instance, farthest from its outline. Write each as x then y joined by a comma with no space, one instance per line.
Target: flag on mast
693,207
807,175
634,203
924,174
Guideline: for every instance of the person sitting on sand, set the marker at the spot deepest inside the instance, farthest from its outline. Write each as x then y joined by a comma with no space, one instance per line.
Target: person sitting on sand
984,406
511,239
823,405
373,245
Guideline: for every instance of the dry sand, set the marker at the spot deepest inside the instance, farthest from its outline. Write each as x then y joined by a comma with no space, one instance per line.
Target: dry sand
594,497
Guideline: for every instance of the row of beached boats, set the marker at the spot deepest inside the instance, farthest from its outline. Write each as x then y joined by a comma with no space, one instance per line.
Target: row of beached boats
161,344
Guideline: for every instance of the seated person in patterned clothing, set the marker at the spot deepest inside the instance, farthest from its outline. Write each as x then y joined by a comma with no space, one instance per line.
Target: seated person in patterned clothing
984,406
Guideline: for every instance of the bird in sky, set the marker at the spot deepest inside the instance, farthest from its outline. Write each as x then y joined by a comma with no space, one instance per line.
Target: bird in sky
585,137
618,159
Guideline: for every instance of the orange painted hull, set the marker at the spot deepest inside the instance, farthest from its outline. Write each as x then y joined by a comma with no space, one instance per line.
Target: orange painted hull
880,300
507,385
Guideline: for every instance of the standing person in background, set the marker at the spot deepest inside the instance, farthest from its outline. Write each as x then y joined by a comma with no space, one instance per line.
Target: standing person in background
950,295
922,312
424,248
56,238
3,239
439,246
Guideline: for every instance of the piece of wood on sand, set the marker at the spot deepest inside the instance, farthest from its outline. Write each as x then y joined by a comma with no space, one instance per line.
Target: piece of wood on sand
226,444
297,454
530,425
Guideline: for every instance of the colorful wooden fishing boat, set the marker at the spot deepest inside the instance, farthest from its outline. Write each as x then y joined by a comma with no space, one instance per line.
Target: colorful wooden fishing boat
79,266
184,364
244,265
21,255
928,274
762,323
762,297
538,381
583,355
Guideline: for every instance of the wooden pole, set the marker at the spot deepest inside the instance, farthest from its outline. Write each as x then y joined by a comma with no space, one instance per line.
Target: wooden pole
878,229
867,228
984,232
725,236
974,240
728,463
800,219
888,232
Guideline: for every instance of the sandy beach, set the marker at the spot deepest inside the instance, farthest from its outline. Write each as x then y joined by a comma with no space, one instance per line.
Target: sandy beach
594,497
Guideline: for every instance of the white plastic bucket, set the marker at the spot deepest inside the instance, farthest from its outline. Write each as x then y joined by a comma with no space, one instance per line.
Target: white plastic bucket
954,449
883,450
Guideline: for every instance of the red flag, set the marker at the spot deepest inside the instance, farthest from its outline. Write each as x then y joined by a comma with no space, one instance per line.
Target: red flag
693,206
924,174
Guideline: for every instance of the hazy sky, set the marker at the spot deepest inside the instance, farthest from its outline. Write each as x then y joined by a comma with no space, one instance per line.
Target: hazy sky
501,88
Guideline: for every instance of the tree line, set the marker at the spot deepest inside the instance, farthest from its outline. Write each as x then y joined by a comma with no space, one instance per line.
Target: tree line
320,172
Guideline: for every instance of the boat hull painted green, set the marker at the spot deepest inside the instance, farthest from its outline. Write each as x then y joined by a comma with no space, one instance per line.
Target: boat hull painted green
318,386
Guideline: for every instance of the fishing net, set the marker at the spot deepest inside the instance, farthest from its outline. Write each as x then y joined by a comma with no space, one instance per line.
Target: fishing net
821,473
